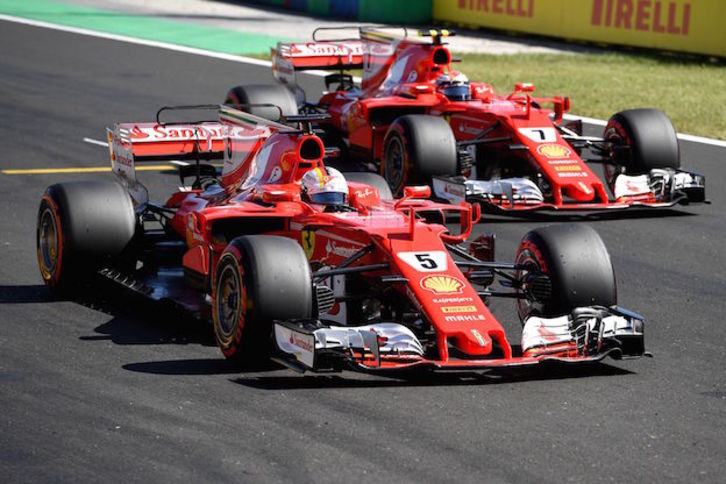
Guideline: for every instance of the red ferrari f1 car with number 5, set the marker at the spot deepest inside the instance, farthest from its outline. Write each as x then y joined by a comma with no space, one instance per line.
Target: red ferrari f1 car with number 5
416,120
322,271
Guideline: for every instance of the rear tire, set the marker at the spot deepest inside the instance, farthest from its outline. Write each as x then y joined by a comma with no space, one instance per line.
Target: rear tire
80,226
650,137
416,148
373,179
259,278
275,94
577,263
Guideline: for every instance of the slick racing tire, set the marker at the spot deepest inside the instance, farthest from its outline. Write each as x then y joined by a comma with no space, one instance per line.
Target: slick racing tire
80,226
372,179
274,94
642,139
416,148
259,278
577,264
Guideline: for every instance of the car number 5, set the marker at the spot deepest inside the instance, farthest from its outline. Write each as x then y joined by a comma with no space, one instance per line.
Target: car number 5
427,262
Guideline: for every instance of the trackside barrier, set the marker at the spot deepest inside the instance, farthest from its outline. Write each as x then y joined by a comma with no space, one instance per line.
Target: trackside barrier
390,11
695,26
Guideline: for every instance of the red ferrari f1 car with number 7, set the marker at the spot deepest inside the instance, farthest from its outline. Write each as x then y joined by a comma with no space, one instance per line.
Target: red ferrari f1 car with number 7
416,120
322,271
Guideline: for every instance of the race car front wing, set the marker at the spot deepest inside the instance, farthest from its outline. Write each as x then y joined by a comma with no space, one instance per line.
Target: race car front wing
586,335
661,188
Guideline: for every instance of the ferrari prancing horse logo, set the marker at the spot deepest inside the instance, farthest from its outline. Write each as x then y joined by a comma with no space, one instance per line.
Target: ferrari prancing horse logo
307,240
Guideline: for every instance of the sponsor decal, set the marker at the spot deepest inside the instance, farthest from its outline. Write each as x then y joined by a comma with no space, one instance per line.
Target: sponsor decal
560,168
539,135
431,261
412,76
442,284
454,189
344,251
159,132
458,309
563,162
510,8
462,318
307,240
326,49
572,175
452,300
553,150
364,193
465,128
479,337
303,344
672,18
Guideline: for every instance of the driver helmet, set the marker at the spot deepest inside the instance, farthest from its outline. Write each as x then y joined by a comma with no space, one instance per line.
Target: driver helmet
454,85
325,186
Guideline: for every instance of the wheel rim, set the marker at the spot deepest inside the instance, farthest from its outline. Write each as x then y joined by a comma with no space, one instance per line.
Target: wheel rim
525,306
229,303
612,170
48,241
395,164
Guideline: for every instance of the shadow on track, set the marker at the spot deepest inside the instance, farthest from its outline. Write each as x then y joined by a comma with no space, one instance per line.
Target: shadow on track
136,320
629,214
24,294
550,371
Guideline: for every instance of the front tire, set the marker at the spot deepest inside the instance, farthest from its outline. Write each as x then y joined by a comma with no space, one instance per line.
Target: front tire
416,148
577,263
259,279
642,139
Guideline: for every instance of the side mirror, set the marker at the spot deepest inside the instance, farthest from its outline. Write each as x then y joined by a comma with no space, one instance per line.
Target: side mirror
280,193
524,87
419,191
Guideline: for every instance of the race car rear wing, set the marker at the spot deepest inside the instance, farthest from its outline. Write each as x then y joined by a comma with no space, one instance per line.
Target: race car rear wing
131,143
183,142
288,58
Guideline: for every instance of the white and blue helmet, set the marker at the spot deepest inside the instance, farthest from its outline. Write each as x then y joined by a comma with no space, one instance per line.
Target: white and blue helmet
325,186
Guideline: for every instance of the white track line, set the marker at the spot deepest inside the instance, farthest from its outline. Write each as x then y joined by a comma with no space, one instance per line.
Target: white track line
95,142
132,40
260,62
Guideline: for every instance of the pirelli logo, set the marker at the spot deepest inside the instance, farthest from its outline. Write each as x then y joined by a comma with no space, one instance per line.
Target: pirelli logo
568,168
458,309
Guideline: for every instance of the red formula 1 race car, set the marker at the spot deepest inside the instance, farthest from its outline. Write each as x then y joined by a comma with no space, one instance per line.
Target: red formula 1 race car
415,120
321,272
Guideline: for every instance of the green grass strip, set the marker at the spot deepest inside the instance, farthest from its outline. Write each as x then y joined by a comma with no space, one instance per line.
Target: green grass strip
692,92
140,26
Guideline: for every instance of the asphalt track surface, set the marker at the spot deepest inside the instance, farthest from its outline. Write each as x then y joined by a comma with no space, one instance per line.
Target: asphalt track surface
107,388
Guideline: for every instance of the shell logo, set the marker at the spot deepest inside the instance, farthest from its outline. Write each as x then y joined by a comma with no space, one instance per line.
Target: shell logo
442,284
552,150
